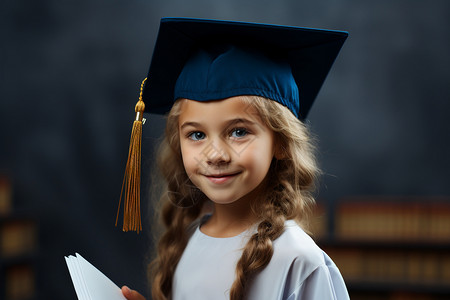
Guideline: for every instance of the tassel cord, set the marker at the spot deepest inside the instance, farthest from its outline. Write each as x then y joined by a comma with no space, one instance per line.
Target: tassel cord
132,178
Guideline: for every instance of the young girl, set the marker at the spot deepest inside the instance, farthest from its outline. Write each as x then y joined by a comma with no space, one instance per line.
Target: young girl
238,162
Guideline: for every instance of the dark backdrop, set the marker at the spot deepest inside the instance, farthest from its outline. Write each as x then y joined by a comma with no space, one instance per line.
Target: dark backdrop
70,74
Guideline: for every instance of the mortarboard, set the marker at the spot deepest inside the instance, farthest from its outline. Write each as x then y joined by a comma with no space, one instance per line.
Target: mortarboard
207,60
309,52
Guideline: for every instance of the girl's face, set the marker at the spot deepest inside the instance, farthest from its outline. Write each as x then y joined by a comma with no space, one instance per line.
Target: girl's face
226,149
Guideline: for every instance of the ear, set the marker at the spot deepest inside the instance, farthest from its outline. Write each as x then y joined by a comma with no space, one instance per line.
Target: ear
279,152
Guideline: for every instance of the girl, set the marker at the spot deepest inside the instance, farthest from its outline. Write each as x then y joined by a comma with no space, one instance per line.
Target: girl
234,141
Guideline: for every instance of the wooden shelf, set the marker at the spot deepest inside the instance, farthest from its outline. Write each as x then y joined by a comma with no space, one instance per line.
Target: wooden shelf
390,248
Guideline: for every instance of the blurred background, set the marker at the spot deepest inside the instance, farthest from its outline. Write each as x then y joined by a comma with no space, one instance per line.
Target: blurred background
70,76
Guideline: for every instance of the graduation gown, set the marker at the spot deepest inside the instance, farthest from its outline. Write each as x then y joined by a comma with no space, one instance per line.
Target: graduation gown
299,269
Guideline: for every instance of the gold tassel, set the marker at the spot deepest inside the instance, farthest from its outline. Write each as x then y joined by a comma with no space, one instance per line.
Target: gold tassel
131,186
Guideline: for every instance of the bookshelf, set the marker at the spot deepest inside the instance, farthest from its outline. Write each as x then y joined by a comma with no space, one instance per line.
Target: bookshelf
18,248
390,247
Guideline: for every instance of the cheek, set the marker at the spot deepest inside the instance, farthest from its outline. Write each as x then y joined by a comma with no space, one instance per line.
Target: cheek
186,157
258,157
190,160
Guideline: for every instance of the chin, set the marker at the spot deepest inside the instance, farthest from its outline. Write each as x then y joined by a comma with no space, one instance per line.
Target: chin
222,201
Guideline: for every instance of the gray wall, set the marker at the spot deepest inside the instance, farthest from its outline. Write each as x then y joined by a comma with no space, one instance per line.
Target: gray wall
70,74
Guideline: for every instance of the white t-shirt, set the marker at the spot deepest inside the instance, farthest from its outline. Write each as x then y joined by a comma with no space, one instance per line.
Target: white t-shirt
299,269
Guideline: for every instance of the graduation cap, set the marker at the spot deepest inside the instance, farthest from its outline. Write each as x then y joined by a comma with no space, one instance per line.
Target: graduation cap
206,60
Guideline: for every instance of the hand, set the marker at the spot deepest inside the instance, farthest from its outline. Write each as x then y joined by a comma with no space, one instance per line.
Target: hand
131,294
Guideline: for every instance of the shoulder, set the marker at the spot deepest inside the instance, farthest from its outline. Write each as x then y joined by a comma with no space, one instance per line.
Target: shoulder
295,243
297,265
295,254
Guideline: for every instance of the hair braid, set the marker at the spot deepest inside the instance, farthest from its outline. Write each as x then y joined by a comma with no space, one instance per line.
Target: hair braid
171,247
256,254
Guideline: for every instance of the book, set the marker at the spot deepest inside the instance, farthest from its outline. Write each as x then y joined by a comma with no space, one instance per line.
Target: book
5,196
391,219
19,281
89,282
18,237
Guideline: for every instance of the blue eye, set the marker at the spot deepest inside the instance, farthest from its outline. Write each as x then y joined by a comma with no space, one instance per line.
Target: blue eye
239,132
196,135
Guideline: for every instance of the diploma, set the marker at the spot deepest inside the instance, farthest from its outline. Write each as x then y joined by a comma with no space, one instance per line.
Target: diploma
89,282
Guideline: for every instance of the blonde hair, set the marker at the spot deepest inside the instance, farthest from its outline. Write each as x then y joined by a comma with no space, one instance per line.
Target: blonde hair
289,186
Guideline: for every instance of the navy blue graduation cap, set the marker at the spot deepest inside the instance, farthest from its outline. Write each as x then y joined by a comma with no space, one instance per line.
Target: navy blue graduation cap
309,53
206,60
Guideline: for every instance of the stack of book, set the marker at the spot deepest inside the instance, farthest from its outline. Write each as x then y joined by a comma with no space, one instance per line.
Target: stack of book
393,247
392,219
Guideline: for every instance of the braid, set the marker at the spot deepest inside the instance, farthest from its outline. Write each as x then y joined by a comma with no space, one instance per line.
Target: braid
171,246
177,214
256,254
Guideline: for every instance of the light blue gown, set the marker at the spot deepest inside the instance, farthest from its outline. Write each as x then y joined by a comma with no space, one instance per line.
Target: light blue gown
299,269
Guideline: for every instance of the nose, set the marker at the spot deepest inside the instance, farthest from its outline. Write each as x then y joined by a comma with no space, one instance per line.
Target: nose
216,153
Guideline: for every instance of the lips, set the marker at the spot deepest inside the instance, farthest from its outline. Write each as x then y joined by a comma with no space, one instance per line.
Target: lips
221,178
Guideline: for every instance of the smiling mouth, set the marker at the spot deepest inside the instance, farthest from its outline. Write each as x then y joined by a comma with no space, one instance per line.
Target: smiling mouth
221,178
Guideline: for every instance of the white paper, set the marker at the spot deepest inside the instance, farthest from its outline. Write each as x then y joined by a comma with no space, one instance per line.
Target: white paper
89,282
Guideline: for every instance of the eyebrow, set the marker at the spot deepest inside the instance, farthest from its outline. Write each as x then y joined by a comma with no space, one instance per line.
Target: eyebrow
227,124
193,124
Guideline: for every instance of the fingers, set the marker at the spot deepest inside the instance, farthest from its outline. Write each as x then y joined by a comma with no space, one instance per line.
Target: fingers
131,294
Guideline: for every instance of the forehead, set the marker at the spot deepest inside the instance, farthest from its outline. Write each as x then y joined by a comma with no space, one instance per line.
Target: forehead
211,111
